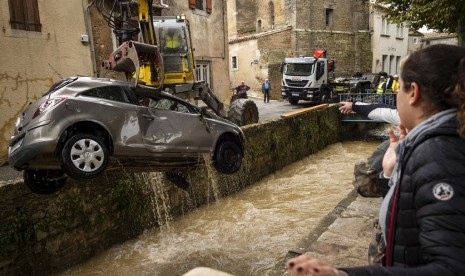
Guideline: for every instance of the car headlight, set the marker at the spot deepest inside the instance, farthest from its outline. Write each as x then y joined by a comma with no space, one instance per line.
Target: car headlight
47,105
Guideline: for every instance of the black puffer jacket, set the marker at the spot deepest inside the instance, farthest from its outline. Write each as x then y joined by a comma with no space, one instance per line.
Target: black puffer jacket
429,237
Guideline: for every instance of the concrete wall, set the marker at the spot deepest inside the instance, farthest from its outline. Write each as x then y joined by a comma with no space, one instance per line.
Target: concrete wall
44,233
31,62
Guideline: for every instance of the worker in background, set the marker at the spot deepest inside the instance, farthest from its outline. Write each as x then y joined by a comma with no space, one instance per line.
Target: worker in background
381,89
242,89
172,40
395,84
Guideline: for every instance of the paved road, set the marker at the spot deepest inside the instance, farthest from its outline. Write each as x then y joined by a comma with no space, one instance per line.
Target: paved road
274,109
266,111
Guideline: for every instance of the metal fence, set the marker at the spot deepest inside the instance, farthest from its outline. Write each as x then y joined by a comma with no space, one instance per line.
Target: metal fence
386,98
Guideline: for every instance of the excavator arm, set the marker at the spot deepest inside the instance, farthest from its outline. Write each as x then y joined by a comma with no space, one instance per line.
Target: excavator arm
148,63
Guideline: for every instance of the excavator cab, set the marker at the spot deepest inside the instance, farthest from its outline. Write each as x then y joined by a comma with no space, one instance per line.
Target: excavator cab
174,43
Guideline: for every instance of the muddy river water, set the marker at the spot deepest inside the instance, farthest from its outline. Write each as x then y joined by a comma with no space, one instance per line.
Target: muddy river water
244,234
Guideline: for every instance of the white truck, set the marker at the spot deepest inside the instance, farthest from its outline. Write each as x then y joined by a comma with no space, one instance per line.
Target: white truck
306,78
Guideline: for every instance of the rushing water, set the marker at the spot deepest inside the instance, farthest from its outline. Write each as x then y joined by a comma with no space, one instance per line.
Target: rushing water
244,234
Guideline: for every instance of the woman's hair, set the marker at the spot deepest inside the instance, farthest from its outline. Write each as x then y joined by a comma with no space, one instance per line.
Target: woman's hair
439,71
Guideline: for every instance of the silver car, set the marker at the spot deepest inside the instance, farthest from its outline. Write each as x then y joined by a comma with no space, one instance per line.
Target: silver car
81,122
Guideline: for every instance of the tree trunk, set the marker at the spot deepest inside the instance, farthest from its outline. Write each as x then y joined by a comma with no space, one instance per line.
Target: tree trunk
461,33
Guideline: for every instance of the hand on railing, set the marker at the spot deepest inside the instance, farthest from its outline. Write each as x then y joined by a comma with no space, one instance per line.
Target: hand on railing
345,108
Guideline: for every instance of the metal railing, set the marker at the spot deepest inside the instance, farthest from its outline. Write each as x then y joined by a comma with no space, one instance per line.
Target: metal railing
372,98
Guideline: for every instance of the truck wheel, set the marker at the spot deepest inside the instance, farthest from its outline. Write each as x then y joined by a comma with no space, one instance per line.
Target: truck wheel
325,94
84,156
228,157
44,181
293,101
243,112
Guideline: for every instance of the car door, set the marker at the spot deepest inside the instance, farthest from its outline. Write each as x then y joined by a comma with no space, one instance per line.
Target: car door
172,129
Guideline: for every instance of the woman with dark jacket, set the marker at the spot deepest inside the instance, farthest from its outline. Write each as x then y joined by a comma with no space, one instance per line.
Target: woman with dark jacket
423,214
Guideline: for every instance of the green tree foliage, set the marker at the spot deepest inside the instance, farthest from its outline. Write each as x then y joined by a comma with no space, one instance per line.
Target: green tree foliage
441,15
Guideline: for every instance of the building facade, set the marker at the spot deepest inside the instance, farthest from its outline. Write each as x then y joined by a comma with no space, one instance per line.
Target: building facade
389,43
439,38
264,32
414,41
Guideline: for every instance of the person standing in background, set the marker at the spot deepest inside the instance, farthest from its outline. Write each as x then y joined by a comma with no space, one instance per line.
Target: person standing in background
266,88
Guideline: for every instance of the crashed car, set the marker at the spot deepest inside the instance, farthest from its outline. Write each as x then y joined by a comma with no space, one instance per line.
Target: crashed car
81,122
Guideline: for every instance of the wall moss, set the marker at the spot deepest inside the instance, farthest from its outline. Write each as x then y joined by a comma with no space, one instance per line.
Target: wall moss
40,234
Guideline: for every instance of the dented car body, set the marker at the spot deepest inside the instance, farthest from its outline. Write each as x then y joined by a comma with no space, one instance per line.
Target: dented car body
81,122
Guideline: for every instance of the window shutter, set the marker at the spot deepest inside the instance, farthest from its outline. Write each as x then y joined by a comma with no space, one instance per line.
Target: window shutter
209,6
17,19
192,4
32,15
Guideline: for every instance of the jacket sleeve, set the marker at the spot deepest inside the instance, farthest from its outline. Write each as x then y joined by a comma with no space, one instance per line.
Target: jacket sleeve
382,112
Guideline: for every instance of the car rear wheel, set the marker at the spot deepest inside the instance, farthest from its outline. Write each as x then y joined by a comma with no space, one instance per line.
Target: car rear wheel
44,181
228,157
84,156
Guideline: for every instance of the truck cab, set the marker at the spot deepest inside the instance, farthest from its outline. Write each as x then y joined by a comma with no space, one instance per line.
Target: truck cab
305,78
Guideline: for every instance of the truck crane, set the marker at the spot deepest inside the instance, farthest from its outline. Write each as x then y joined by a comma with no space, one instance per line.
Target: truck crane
142,56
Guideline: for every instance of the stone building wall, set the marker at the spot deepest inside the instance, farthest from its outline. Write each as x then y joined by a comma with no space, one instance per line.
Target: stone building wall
348,15
40,234
352,53
259,57
347,39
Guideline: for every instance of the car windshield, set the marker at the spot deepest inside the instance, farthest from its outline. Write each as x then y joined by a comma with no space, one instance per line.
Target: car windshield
59,84
298,69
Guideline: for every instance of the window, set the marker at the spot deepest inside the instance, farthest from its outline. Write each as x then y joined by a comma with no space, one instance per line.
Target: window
397,64
113,93
384,64
391,64
415,40
271,11
203,5
202,72
329,17
24,15
166,104
259,25
400,30
199,5
234,62
384,26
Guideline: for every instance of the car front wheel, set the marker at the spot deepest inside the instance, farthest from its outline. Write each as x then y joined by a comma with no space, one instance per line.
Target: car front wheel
228,157
84,156
44,181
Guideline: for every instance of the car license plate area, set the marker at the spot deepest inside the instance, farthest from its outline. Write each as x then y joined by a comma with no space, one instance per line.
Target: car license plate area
295,94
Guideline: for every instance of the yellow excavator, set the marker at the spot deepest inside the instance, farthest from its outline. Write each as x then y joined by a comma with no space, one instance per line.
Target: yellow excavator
157,51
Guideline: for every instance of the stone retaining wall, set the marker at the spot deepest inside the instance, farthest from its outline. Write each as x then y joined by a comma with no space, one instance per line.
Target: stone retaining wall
40,234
